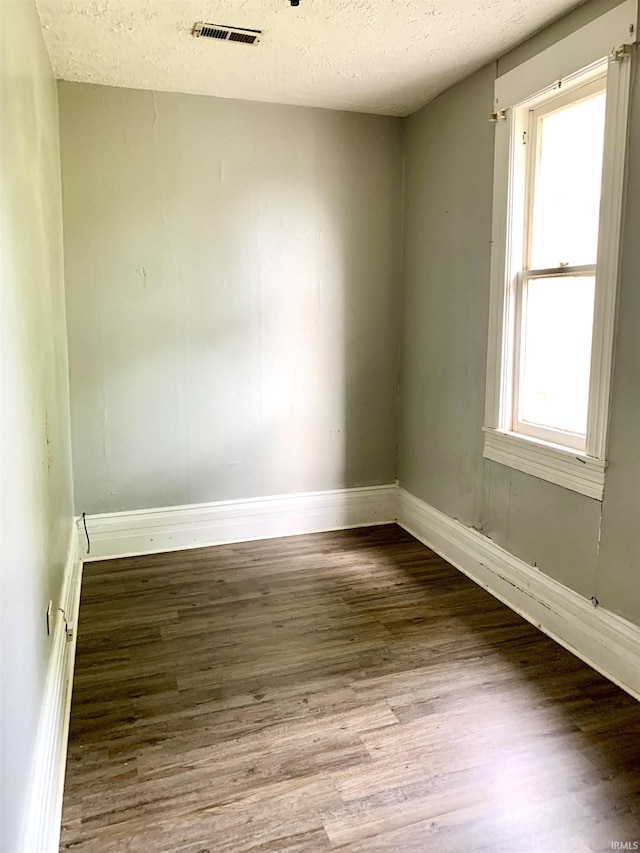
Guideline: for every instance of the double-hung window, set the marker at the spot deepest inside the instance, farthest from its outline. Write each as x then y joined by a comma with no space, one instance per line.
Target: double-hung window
561,121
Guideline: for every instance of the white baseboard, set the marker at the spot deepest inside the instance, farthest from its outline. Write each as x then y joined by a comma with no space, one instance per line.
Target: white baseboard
44,804
608,643
149,531
605,641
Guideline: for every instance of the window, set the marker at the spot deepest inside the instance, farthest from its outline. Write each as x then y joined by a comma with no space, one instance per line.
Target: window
558,186
555,288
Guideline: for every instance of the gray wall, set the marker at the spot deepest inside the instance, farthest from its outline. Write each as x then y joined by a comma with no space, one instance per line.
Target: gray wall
232,274
448,193
36,501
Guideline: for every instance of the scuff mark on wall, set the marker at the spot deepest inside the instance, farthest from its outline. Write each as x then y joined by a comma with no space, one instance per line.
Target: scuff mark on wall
155,111
49,443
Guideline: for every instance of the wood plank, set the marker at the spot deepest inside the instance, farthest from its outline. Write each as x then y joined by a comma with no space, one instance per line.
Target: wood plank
347,691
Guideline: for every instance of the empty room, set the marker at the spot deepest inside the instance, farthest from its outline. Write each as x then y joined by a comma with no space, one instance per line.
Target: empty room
320,385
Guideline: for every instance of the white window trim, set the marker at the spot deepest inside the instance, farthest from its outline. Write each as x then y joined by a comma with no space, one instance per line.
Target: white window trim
559,465
601,40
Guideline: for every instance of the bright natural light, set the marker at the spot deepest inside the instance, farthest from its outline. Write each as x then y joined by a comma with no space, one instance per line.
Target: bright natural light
567,185
565,165
557,329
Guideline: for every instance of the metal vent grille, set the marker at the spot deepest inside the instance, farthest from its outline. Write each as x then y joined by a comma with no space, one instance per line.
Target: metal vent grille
213,33
224,33
243,37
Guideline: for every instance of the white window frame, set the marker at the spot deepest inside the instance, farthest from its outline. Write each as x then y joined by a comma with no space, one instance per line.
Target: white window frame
526,116
569,63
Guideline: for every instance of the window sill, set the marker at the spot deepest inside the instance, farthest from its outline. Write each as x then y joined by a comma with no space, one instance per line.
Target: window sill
570,469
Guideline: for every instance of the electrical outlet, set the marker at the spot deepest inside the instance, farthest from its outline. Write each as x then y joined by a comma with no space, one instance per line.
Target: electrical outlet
49,609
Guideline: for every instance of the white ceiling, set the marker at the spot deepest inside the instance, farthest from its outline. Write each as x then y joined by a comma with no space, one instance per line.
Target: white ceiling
378,56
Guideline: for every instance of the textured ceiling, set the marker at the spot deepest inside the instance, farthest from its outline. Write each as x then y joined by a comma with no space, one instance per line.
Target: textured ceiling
378,56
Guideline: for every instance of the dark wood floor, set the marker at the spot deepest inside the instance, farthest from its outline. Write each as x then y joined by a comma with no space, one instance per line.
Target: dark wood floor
342,691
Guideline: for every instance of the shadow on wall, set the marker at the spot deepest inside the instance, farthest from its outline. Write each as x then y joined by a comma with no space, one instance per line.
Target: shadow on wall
232,272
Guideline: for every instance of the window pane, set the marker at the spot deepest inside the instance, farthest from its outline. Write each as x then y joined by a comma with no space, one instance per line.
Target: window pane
567,185
557,330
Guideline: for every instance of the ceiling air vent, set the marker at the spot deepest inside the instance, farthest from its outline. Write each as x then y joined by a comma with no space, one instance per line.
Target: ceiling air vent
224,33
